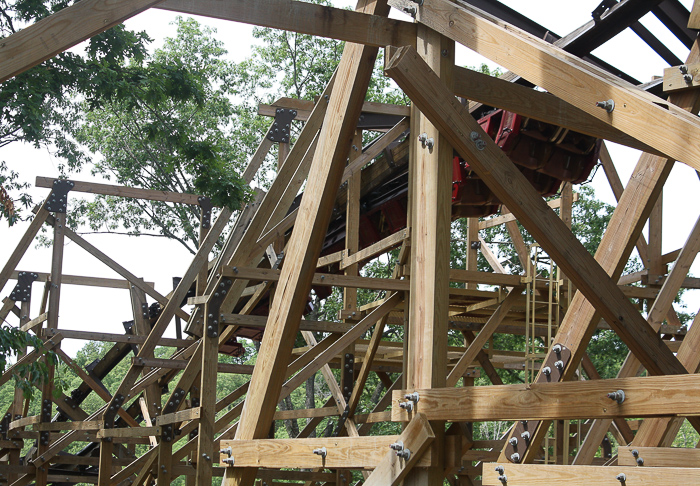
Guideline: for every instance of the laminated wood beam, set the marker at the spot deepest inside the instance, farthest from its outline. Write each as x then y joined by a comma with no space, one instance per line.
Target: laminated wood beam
525,101
305,18
344,107
636,113
63,30
546,475
508,183
694,20
648,396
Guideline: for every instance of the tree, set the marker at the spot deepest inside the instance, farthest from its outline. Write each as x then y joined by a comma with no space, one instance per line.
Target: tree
39,106
168,127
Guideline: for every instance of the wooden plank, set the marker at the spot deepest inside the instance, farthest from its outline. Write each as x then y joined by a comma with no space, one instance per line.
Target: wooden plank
125,191
378,248
356,165
260,322
392,470
62,30
508,183
541,475
648,396
113,283
694,20
305,18
58,426
473,276
636,113
344,107
659,456
341,452
484,335
30,325
304,108
128,432
181,365
681,77
492,91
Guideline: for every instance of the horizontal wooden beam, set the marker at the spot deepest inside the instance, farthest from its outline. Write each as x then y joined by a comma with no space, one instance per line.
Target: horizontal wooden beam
182,364
378,248
113,283
547,475
124,191
636,113
506,218
114,338
681,77
649,396
341,452
305,18
659,456
306,325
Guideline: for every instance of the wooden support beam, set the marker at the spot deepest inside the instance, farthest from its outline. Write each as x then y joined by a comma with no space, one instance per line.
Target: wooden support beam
508,216
546,475
124,191
508,183
415,439
112,283
306,18
22,246
636,112
114,338
260,322
62,30
648,396
344,107
662,457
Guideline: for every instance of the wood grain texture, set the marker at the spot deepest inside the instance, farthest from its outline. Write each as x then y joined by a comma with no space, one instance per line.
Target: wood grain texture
651,396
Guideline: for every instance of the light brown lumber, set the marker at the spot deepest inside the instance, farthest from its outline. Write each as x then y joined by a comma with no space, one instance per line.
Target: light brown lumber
381,246
113,283
30,325
23,244
636,113
488,278
356,165
306,18
306,413
675,78
392,470
694,20
62,30
344,107
492,91
306,325
58,426
124,191
659,456
493,166
257,159
541,475
342,452
181,365
128,432
484,335
648,396
430,182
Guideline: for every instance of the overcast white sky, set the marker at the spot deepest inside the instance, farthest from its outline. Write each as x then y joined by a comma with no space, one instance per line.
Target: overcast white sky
157,259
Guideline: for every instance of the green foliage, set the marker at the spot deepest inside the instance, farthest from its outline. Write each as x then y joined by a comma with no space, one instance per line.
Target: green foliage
14,342
165,126
39,106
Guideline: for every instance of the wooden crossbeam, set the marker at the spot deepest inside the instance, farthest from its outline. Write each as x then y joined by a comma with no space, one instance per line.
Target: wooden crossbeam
575,81
508,183
659,456
305,18
125,191
541,475
649,396
113,283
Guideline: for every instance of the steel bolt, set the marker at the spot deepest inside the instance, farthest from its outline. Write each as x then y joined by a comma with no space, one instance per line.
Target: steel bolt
396,446
404,454
515,457
499,469
321,452
618,396
608,105
408,406
414,397
622,477
513,441
525,435
503,478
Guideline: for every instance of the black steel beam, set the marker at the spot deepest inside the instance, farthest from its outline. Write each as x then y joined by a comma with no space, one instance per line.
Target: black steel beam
675,17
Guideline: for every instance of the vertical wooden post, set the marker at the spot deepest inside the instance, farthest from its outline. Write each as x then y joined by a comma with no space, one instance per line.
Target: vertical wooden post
430,171
472,253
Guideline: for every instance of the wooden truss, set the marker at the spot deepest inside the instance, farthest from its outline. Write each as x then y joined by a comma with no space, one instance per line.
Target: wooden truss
276,255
